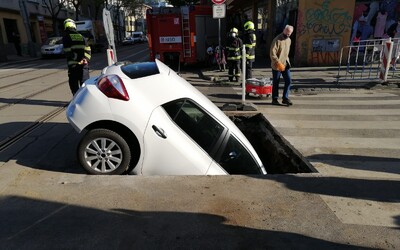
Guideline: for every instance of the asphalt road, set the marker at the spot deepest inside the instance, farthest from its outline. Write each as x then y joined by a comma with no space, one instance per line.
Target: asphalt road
47,201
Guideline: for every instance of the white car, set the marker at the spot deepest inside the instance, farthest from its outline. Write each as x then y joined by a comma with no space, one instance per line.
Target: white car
53,47
142,118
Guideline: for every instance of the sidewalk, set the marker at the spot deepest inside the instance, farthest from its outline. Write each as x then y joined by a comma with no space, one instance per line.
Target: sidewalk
303,78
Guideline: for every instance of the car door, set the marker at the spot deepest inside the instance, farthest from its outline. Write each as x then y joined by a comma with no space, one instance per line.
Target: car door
176,144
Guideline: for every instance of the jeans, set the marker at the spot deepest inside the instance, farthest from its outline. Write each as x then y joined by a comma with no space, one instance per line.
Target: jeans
276,75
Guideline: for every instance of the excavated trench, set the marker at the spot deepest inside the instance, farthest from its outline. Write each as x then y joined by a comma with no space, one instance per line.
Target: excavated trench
276,153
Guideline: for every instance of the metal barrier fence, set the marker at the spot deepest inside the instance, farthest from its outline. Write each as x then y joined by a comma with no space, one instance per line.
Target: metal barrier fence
370,60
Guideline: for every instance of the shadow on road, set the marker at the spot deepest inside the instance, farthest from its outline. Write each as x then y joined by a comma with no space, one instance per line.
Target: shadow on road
359,162
50,224
51,147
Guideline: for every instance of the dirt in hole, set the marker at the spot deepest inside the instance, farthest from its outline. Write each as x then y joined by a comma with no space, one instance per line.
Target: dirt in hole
277,154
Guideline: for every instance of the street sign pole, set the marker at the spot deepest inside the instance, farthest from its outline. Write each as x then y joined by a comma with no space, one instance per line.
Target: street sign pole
219,11
219,40
109,30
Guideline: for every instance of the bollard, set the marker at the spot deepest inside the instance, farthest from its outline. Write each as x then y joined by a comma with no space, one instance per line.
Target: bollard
243,74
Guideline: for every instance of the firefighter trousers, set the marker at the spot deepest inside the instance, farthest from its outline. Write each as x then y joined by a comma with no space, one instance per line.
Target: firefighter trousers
234,69
77,74
249,69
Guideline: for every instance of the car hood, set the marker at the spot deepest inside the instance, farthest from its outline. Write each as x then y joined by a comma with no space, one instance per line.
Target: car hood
55,46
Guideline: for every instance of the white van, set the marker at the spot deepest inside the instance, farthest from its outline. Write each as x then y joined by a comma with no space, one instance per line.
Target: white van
138,37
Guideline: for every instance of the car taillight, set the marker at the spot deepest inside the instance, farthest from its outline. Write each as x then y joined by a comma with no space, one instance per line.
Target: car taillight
113,87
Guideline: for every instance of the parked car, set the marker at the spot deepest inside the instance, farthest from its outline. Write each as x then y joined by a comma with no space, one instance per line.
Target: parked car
128,41
138,37
53,47
142,118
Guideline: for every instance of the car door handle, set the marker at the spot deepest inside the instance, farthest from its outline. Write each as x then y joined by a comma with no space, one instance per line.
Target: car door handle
159,131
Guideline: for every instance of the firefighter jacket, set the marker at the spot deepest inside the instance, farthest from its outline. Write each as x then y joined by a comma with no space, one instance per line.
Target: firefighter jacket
234,45
249,41
75,48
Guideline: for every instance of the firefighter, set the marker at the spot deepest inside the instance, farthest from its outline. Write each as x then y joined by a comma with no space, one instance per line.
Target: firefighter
249,40
78,55
234,44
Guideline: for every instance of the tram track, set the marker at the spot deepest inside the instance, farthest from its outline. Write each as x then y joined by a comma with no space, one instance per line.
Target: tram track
27,69
6,143
16,135
22,99
30,79
31,95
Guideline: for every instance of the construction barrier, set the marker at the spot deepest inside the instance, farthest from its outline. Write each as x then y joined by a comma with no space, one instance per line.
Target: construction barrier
369,60
387,50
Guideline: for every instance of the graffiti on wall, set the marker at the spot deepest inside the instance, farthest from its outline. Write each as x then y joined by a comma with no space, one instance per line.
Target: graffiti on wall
326,20
323,25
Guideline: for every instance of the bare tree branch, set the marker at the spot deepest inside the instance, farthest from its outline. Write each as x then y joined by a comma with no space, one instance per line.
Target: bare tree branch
54,7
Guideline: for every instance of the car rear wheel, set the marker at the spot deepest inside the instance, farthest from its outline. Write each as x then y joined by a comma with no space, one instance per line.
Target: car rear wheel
104,152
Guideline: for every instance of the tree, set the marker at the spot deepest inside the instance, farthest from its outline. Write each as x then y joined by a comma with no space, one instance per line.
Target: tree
98,8
77,4
54,7
178,3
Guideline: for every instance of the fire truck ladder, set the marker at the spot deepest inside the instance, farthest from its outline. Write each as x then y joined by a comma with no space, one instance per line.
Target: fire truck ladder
187,52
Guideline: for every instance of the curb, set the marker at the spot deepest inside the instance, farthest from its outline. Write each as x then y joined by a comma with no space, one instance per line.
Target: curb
318,86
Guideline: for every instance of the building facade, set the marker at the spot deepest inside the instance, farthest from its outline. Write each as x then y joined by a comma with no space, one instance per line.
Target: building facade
33,29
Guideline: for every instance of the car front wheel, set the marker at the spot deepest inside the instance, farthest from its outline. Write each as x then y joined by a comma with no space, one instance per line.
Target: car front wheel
104,152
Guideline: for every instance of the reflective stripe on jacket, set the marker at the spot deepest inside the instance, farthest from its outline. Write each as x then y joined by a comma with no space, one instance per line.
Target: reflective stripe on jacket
233,47
250,44
75,48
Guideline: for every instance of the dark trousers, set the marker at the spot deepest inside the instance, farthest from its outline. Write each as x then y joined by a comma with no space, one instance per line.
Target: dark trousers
276,75
249,69
18,48
233,69
77,74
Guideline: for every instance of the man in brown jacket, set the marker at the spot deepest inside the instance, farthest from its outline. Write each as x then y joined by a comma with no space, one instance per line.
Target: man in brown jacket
279,54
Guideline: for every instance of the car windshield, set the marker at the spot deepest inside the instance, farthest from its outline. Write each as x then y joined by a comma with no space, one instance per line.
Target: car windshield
86,34
138,70
54,41
137,35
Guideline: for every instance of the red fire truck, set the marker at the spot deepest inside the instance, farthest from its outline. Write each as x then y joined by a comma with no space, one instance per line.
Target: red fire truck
182,34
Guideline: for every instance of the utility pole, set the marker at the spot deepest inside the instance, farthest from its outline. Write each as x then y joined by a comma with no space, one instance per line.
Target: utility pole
271,8
25,17
3,54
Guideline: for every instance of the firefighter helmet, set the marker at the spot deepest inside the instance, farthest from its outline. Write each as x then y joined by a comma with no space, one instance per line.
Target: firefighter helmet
69,24
234,30
249,25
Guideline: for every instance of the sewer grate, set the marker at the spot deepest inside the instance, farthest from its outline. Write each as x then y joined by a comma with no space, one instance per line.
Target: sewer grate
275,152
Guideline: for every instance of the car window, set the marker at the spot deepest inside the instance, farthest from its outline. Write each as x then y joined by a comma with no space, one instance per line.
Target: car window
138,70
235,159
196,123
54,40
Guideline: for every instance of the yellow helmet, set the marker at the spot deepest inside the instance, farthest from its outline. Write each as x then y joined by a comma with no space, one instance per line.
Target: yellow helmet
234,30
249,25
69,24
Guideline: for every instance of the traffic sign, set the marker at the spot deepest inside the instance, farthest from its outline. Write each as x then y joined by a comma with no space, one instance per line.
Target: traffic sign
218,1
219,11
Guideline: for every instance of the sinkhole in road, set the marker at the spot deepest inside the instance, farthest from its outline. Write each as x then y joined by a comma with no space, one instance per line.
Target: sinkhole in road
275,152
